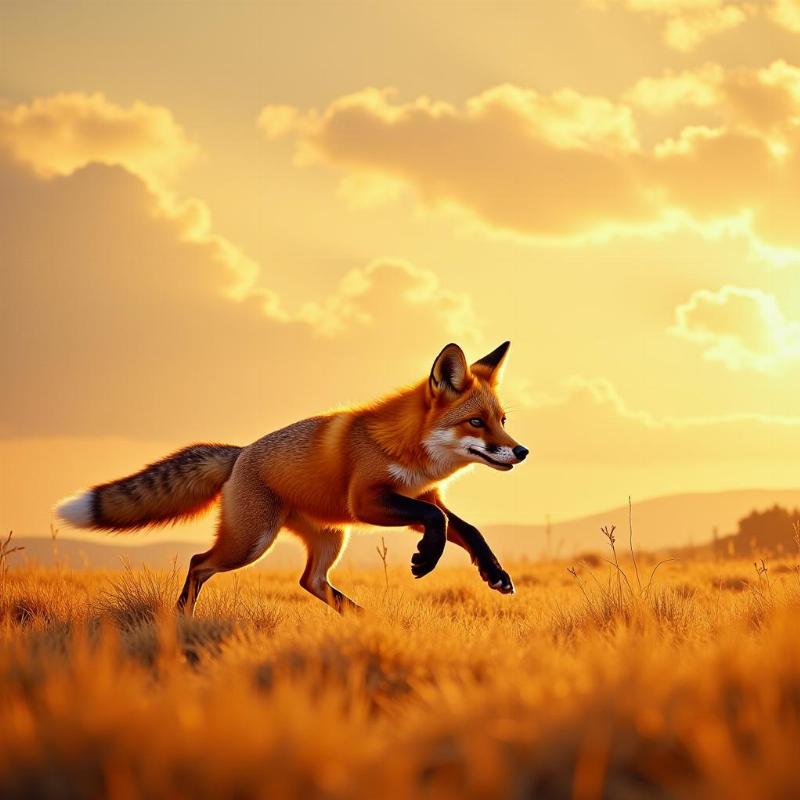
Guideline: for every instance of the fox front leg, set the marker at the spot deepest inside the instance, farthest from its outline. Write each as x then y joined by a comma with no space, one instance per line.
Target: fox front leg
384,507
471,539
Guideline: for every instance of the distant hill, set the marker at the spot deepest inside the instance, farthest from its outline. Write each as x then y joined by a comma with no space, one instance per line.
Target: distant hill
672,521
110,552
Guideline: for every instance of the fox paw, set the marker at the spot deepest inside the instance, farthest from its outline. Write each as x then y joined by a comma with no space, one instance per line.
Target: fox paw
498,579
426,558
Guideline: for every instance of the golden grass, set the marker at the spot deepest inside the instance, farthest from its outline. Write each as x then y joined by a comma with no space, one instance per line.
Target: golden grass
576,687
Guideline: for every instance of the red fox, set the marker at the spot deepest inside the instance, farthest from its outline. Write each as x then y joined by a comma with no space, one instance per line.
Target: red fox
378,464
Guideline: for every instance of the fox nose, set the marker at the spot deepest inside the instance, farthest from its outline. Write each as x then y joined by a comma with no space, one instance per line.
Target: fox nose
520,452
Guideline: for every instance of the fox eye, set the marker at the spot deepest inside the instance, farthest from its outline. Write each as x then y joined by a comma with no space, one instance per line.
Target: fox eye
476,422
503,422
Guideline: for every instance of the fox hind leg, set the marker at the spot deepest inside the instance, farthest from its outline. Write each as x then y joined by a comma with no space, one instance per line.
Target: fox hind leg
249,520
199,572
324,546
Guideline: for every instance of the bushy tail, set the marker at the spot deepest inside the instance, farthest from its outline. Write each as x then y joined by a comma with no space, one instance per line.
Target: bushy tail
177,487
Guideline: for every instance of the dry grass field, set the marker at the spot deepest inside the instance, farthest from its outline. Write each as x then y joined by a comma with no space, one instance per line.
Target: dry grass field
584,685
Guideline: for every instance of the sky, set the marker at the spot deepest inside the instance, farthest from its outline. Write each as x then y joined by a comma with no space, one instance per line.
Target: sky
218,218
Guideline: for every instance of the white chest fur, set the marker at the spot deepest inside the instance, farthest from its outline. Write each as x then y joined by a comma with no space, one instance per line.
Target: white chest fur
409,478
416,480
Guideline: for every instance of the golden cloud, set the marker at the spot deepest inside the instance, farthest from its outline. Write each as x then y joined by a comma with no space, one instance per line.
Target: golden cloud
365,297
742,328
555,165
685,24
277,121
567,165
785,13
763,100
57,135
698,88
587,420
113,320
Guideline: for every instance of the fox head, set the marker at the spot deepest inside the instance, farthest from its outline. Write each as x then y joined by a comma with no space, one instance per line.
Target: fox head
466,422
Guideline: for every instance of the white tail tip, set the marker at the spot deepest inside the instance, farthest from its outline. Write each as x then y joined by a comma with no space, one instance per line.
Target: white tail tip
76,510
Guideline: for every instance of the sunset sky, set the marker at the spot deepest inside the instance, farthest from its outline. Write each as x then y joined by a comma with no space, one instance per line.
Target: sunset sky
217,218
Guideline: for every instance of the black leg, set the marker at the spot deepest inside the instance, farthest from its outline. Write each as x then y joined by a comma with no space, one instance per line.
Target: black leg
471,539
384,507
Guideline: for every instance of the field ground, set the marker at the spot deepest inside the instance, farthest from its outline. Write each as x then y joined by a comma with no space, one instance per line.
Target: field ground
579,686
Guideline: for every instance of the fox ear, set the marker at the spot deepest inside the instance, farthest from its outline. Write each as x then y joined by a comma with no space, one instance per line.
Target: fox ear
489,367
450,372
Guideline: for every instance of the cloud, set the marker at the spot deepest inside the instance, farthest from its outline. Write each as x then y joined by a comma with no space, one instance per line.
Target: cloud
113,322
741,328
277,121
587,420
698,88
685,24
786,14
60,135
366,295
761,100
57,135
567,166
553,165
743,161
